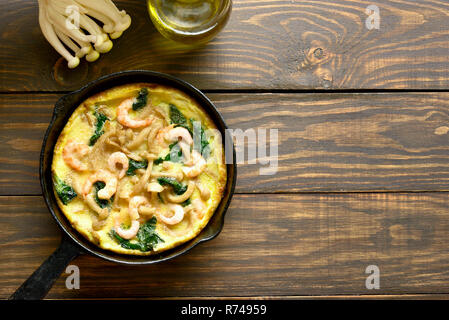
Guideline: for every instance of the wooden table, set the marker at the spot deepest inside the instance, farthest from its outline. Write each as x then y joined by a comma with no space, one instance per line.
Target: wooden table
363,179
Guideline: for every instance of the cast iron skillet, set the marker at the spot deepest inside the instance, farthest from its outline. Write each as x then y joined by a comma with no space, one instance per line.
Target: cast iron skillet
73,244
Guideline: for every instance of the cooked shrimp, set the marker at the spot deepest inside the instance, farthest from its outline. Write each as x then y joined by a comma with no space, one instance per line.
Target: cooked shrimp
198,164
124,118
134,204
198,207
185,140
110,184
178,215
127,233
179,134
118,158
204,192
162,133
72,153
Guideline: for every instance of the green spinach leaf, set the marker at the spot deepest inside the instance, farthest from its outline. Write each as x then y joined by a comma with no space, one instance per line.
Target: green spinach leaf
141,100
168,156
134,165
186,203
178,188
103,203
101,119
146,236
63,190
158,161
176,116
202,146
205,149
124,242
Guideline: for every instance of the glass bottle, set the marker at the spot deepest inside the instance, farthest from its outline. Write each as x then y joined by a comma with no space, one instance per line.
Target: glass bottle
189,21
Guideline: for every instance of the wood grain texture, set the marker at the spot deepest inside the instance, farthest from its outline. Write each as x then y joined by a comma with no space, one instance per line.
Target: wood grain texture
276,44
327,142
271,245
335,297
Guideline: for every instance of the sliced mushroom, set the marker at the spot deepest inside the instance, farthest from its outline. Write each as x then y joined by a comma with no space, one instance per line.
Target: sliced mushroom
183,197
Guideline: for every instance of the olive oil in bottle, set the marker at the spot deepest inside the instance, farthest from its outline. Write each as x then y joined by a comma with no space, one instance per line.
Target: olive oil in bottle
189,21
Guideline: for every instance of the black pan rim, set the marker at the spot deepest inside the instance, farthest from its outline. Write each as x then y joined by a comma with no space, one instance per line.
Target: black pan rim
207,105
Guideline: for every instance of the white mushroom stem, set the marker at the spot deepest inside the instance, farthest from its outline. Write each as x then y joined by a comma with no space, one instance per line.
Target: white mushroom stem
63,6
52,38
108,23
120,19
94,29
79,52
183,197
85,47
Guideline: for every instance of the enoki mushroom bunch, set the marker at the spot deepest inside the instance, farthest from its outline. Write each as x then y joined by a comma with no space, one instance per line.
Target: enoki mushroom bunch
69,26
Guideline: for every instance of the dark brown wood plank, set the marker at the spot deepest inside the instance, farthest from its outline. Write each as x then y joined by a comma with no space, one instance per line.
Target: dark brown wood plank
429,296
27,225
276,44
271,245
327,142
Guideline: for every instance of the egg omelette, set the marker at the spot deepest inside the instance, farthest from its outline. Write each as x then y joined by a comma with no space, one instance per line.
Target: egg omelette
139,169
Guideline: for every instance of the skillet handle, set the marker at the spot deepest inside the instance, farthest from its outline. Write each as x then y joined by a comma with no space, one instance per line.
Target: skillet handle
40,282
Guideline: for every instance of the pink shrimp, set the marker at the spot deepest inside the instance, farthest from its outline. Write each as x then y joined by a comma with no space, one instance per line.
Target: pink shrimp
178,215
197,165
127,233
133,211
72,153
185,140
161,134
179,133
118,158
198,208
124,118
110,184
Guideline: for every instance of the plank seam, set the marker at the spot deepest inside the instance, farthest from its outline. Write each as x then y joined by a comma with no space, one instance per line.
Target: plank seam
337,296
255,91
291,193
